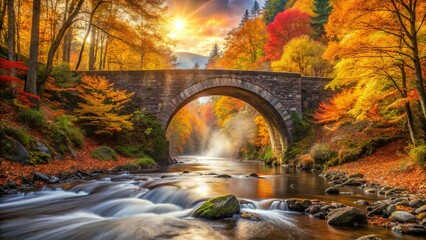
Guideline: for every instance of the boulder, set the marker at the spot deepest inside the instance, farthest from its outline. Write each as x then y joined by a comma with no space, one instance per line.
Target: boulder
369,237
370,190
416,203
391,209
313,209
219,207
298,205
410,229
361,202
42,148
352,182
41,177
252,174
347,216
223,176
320,215
402,216
54,179
356,175
20,153
332,190
378,209
420,209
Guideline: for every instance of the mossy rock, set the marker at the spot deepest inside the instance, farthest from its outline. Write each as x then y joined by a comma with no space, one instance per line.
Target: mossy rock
219,207
104,153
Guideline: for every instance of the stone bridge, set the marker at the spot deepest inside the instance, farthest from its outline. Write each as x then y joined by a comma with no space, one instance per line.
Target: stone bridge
275,95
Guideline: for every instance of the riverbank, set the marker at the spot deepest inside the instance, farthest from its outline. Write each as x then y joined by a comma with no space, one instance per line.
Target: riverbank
389,166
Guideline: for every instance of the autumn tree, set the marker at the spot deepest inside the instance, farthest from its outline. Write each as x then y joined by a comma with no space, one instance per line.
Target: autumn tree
321,10
244,46
287,25
272,8
214,57
101,106
303,55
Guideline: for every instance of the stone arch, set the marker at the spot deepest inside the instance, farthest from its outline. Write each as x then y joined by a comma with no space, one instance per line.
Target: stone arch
274,112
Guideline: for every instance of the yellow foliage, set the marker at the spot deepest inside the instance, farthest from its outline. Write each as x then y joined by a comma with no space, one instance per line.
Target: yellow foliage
101,105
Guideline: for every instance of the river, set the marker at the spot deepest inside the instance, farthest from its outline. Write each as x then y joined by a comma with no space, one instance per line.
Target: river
158,204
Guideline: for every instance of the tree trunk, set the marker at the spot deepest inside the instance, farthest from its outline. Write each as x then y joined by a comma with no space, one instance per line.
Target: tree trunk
92,48
11,34
2,13
89,27
55,45
18,34
410,119
31,83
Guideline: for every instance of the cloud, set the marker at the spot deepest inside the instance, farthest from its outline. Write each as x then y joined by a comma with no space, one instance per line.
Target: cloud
208,21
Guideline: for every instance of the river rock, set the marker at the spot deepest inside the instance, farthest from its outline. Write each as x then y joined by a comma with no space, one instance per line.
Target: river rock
370,190
416,203
54,179
185,171
219,207
420,209
362,202
41,177
391,209
21,154
320,215
347,216
402,216
410,228
356,175
403,203
250,216
223,176
298,205
352,182
252,174
332,190
313,209
42,148
369,237
378,209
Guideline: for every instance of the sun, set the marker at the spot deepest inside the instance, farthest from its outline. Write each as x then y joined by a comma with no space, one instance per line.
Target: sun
179,24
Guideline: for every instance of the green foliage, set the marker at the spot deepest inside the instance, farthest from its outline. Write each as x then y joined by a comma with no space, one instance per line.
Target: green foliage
321,10
64,78
148,135
131,151
146,161
360,149
130,166
104,153
418,155
32,117
20,134
268,155
321,153
65,134
39,158
300,127
272,8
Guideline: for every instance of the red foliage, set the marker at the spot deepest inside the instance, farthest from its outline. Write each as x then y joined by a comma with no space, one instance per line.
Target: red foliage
287,25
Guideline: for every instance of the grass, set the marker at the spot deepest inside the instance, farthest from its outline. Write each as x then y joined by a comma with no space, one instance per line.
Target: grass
32,117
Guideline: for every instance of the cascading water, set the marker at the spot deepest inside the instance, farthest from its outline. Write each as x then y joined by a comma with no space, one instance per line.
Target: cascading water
160,204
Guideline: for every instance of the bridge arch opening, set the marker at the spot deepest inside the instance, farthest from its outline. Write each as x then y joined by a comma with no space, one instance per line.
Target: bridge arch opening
276,116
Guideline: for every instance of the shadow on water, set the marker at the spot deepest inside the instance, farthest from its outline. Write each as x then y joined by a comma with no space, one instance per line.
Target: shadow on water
158,204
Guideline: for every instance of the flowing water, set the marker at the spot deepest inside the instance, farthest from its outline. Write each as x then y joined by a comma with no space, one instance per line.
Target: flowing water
158,204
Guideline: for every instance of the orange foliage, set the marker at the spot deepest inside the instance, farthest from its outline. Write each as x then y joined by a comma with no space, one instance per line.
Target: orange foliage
337,107
101,106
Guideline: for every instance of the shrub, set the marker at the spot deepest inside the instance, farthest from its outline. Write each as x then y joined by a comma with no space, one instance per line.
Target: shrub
131,151
20,134
64,78
32,117
300,127
130,166
321,153
104,153
146,162
39,158
65,134
418,155
269,155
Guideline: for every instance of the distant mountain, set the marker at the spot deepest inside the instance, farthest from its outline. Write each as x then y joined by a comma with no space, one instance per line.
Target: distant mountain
187,60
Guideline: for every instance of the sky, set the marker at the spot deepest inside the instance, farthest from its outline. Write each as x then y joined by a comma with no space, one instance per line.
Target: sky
196,25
